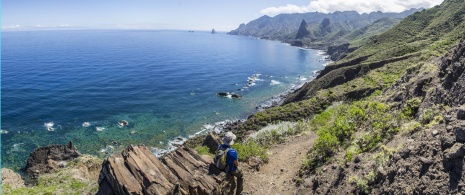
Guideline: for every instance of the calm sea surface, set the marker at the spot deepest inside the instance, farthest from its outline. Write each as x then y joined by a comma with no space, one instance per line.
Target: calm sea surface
164,83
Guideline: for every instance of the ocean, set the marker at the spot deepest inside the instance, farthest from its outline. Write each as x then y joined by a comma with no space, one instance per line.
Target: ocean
79,86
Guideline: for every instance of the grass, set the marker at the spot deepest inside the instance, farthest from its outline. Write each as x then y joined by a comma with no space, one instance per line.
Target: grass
65,181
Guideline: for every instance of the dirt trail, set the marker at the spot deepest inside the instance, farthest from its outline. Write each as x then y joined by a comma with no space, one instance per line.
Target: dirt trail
276,176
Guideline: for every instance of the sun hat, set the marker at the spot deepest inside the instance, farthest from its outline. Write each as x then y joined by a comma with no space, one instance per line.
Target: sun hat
229,138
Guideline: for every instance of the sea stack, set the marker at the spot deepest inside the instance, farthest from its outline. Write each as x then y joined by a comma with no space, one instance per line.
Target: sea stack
213,31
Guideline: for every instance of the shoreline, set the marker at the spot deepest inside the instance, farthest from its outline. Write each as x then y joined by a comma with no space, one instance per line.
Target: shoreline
218,126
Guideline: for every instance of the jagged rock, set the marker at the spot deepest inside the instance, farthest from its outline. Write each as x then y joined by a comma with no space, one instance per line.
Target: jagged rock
461,113
137,171
45,159
302,32
455,152
212,141
14,180
459,134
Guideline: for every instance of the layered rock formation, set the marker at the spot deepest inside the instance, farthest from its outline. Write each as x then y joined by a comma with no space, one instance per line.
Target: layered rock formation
137,171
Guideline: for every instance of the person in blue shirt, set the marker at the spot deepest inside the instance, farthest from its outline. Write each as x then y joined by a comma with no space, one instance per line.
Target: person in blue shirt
233,161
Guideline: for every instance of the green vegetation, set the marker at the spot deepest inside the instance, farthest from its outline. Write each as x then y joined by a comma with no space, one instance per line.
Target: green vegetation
68,180
358,126
257,143
291,112
250,149
56,183
203,150
412,107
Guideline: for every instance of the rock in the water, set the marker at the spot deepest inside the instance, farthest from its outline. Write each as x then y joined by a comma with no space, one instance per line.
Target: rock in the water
461,113
137,171
229,94
457,151
45,159
14,180
223,94
236,96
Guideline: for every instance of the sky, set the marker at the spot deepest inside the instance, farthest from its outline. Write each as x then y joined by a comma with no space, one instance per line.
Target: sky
173,14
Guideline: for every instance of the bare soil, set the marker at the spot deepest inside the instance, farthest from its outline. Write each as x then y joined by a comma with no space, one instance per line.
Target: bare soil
276,176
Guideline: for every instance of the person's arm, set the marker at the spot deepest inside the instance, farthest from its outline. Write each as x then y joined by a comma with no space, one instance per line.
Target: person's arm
236,162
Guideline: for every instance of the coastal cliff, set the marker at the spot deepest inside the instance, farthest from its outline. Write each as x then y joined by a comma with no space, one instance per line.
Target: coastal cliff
386,118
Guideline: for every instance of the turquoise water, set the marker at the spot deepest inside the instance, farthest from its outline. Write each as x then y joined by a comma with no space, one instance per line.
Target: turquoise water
163,83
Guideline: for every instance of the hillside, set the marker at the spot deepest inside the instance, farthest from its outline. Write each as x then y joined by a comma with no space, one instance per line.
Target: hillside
386,114
339,33
387,118
285,25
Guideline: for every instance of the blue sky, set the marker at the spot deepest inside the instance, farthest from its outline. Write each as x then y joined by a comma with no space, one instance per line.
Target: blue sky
172,14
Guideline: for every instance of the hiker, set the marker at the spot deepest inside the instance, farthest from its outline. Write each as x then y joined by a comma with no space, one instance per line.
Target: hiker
232,160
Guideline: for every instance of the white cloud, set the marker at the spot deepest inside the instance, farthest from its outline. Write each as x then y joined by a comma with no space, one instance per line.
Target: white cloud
361,6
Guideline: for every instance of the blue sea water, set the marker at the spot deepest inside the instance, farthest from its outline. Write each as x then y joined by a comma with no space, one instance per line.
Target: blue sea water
164,83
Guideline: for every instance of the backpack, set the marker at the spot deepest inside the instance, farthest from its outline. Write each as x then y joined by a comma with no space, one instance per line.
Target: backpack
220,158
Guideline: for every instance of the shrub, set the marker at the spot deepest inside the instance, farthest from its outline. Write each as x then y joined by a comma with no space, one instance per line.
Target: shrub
411,108
250,149
203,150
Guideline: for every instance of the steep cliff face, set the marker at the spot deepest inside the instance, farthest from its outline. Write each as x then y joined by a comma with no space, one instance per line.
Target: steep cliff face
302,32
137,171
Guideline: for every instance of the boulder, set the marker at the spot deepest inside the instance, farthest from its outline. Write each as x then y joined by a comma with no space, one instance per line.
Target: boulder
137,171
45,159
461,113
455,152
459,134
14,180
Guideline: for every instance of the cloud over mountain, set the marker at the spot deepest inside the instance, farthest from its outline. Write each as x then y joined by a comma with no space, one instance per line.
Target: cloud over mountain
361,6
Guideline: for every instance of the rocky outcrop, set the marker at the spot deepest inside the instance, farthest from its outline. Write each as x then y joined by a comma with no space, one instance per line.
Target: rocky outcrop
14,180
229,94
137,171
338,52
302,32
48,159
453,76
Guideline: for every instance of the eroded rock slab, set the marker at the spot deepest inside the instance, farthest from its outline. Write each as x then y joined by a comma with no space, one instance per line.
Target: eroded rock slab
137,171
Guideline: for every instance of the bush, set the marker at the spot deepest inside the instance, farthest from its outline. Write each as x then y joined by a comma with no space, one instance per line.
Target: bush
203,150
250,149
411,108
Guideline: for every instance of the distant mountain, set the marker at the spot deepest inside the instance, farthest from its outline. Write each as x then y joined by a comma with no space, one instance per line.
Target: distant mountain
284,26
